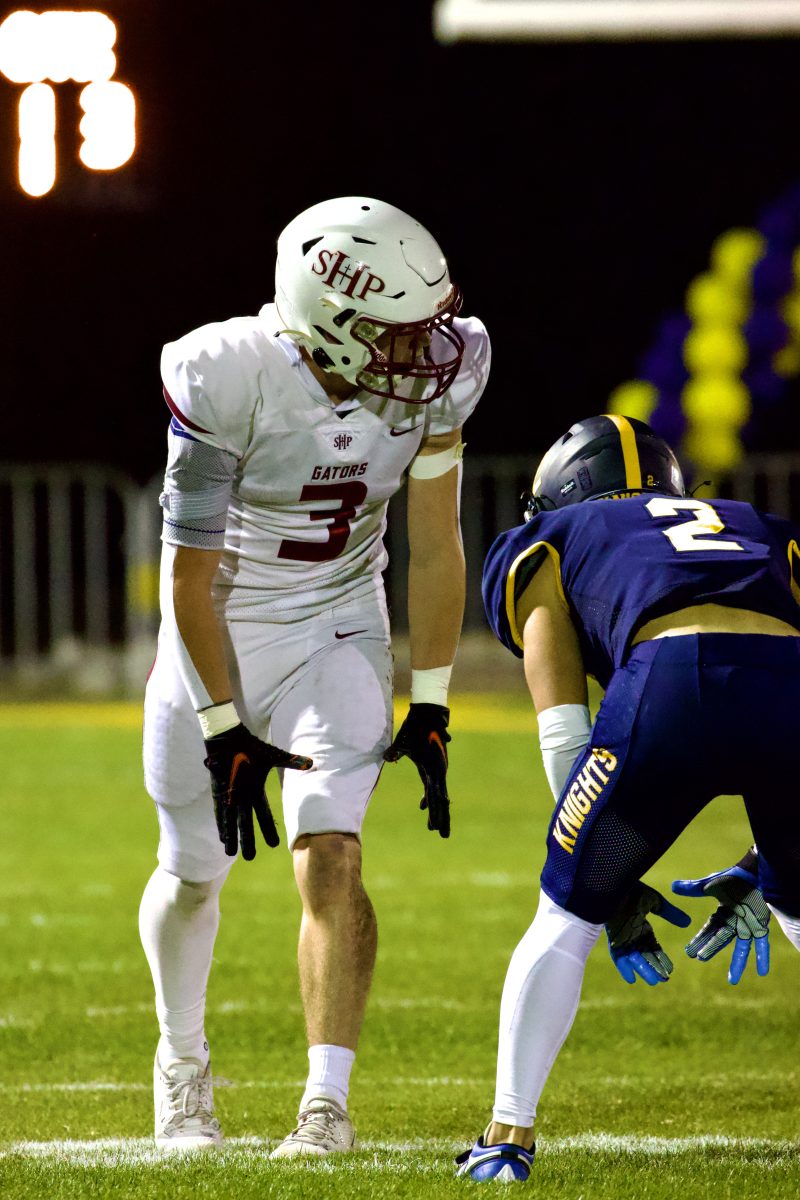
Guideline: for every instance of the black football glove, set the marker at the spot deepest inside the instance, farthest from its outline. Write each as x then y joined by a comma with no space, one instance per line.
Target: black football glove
632,941
423,737
239,763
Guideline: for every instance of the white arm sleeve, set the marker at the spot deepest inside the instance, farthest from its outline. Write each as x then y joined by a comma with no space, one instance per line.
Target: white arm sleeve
564,732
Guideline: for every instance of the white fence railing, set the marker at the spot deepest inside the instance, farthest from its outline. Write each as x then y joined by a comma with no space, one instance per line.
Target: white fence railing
79,550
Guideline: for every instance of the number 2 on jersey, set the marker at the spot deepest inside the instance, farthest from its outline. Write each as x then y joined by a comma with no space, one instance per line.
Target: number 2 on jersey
694,534
350,496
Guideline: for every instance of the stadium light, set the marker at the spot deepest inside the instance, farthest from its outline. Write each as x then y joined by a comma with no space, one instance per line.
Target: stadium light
609,20
109,127
58,46
37,136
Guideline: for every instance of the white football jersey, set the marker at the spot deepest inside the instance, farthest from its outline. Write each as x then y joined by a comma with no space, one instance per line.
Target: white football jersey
310,481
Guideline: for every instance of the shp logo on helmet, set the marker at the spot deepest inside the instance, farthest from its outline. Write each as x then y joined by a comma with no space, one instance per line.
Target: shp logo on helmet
353,279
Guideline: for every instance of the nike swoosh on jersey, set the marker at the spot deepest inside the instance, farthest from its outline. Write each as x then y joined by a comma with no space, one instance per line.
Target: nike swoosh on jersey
400,432
352,633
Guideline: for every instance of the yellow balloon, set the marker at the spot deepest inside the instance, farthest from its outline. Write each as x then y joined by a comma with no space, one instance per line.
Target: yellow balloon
707,399
636,398
720,348
714,298
713,448
786,362
736,252
790,311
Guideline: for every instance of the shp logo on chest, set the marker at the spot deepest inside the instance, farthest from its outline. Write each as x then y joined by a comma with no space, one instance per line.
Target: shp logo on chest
351,278
342,441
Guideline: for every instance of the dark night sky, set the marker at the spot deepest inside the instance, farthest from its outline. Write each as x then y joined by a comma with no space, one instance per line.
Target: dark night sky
575,189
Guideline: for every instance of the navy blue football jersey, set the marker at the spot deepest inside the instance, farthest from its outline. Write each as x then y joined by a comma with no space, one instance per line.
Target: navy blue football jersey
623,562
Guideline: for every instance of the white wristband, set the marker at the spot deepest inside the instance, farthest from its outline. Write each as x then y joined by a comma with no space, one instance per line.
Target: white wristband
430,687
218,718
564,731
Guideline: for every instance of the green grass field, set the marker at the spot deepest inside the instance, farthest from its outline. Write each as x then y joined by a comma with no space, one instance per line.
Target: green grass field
689,1090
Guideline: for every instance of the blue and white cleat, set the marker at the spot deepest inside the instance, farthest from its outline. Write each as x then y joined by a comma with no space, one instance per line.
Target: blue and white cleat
505,1163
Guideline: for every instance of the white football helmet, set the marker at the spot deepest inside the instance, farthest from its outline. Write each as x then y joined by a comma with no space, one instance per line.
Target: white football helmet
366,288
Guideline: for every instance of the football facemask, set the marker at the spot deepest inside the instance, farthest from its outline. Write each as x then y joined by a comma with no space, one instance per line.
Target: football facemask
426,353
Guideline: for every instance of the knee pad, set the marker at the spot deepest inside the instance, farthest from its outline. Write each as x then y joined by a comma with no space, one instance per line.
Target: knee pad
555,928
187,894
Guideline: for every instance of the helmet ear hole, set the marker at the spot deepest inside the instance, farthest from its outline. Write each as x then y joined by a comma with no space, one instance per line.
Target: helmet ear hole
343,317
327,336
322,359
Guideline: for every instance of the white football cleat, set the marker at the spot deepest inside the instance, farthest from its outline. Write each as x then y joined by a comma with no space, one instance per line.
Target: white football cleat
184,1104
323,1127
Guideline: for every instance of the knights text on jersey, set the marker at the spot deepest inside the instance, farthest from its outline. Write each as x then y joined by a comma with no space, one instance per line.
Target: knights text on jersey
622,563
310,482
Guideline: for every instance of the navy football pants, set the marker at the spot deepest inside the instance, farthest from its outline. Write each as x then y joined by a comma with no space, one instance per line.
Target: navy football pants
684,720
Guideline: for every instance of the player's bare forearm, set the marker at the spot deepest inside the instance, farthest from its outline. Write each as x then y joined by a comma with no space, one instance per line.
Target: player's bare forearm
197,622
436,572
436,591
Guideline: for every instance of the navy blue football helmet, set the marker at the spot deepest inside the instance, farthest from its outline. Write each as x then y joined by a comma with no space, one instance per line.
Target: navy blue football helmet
605,457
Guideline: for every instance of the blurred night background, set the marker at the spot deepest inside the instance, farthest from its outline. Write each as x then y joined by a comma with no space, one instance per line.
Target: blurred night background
576,189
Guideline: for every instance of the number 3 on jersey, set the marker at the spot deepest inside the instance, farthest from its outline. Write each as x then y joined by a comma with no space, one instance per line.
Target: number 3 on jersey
349,495
694,534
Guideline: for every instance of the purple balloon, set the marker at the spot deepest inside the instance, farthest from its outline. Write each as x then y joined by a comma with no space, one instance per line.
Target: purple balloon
766,332
773,276
671,333
765,386
668,419
665,368
780,223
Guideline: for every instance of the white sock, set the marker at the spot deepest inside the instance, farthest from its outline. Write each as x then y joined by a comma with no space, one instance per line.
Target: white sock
178,923
329,1070
789,925
540,999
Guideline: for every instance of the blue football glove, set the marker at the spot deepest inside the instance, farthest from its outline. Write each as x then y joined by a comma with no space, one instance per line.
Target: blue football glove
632,942
742,914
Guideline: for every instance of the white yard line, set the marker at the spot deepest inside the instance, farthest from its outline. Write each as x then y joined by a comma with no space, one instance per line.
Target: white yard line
411,1003
114,1152
141,1086
717,1079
